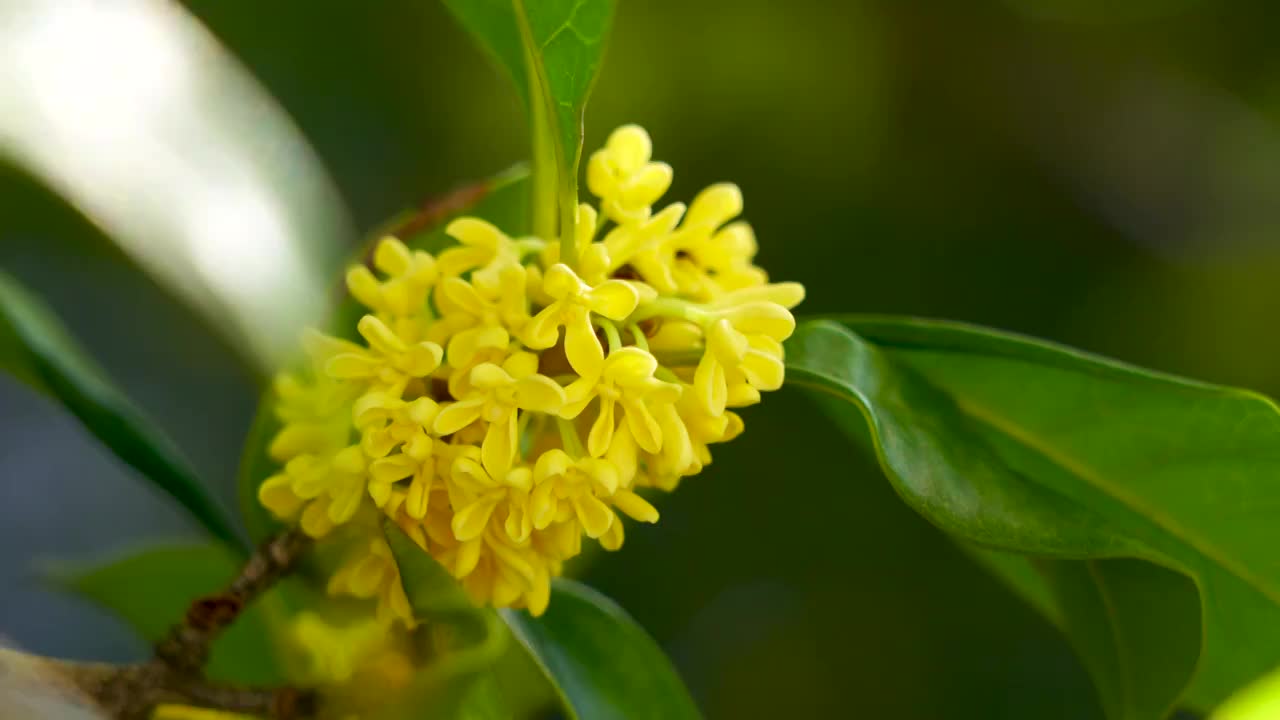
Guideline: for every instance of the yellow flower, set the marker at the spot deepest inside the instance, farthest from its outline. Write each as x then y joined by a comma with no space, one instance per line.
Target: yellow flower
648,248
498,393
623,177
388,360
480,489
583,489
495,440
314,416
574,301
482,248
333,653
371,572
328,489
411,274
483,320
626,379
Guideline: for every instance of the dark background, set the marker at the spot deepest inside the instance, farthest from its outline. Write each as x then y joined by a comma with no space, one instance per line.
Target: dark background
1105,178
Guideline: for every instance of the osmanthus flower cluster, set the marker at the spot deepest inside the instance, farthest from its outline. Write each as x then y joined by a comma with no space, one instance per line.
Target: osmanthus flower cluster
503,404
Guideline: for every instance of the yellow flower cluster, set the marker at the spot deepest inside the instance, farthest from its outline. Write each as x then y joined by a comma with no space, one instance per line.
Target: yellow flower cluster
503,404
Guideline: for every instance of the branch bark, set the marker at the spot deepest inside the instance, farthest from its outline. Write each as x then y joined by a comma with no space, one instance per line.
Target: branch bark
186,649
175,674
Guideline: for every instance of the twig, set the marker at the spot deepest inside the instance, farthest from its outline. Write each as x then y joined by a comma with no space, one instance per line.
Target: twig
175,675
129,691
186,649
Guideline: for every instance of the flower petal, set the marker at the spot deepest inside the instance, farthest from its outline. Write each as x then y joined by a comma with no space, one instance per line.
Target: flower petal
470,520
635,506
552,464
613,299
601,435
581,345
276,494
379,336
500,445
595,516
710,384
476,233
539,393
644,427
629,363
455,416
543,330
463,296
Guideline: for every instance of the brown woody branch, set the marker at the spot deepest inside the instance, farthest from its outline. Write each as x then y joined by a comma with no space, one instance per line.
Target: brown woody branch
186,649
175,675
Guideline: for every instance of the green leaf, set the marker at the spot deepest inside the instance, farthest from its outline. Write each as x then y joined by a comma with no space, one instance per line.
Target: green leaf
502,200
433,593
460,682
1031,448
135,115
603,665
151,590
1259,701
553,50
38,351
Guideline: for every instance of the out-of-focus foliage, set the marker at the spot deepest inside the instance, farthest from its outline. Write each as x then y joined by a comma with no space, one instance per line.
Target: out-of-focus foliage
1259,701
36,349
1103,184
160,138
249,653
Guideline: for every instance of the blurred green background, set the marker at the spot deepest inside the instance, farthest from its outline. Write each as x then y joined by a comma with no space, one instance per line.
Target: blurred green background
1105,177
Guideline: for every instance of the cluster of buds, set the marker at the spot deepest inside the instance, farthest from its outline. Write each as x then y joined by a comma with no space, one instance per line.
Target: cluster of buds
510,398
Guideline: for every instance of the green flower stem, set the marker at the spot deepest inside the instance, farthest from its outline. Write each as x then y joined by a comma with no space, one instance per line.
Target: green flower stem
637,336
670,308
569,438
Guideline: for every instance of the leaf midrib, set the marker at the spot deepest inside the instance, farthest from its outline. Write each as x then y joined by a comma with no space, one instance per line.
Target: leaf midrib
1098,481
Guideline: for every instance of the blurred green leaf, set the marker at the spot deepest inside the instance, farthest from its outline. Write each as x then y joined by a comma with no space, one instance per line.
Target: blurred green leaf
36,349
433,592
502,200
603,665
151,590
460,681
1259,701
1024,446
134,113
553,50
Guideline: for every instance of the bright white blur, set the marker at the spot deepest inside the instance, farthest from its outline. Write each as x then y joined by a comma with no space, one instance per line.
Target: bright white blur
134,114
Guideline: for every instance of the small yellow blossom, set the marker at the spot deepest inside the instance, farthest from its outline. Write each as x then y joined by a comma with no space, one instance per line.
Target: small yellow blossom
497,395
625,379
624,178
574,304
411,275
501,404
371,572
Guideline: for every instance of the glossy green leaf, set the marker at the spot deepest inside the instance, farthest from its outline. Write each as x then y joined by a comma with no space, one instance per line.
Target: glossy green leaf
603,664
552,50
36,349
151,590
502,200
1031,448
132,112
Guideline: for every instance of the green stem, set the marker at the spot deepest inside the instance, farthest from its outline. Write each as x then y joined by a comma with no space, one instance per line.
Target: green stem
637,337
672,308
545,186
569,438
610,333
